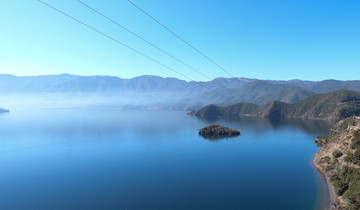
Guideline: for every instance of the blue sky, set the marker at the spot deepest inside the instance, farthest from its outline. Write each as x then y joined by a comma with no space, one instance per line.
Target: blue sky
307,39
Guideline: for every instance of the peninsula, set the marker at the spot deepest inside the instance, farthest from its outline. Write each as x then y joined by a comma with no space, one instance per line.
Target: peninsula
339,161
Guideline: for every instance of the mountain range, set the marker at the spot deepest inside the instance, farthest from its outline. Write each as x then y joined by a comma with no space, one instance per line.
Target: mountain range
153,92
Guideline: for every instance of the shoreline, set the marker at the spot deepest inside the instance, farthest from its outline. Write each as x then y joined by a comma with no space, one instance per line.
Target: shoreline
332,194
326,201
332,165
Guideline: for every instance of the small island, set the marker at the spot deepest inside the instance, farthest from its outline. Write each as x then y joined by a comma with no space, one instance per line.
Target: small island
3,110
218,131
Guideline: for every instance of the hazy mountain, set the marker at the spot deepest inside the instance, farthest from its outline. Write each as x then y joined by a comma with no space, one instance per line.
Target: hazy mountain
153,92
258,92
295,82
143,92
72,83
324,86
332,85
70,90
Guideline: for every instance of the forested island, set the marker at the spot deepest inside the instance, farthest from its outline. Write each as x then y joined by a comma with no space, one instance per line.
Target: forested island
218,131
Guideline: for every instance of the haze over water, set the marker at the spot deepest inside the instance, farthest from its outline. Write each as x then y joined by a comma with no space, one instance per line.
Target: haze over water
113,159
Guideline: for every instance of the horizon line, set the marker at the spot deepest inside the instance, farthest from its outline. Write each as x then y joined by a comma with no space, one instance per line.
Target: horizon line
151,75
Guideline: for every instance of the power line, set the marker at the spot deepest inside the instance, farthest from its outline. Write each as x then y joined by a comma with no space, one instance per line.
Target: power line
150,43
180,38
187,43
127,46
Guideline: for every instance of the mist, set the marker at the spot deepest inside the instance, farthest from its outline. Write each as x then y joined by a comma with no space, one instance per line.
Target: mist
119,100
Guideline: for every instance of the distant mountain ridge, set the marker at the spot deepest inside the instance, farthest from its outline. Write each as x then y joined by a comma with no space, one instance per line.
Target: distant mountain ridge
154,92
68,82
336,105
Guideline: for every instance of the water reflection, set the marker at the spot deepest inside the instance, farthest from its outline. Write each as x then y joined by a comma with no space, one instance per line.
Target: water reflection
262,125
218,138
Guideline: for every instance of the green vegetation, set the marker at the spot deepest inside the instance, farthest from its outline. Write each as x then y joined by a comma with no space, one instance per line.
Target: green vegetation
347,183
348,110
353,158
355,141
355,144
349,157
325,159
329,167
337,154
212,111
217,132
322,140
344,176
346,123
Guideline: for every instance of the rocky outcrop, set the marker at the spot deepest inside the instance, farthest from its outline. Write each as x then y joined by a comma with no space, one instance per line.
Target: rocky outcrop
218,131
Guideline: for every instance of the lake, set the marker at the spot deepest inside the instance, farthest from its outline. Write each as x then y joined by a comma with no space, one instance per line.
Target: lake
115,159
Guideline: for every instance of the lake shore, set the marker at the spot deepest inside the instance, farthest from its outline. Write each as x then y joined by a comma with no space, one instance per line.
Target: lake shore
333,200
332,162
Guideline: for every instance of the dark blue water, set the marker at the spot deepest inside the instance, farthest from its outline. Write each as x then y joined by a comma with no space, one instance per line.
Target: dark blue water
76,159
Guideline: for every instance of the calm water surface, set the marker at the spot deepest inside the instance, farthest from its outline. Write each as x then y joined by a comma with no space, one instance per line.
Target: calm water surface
76,159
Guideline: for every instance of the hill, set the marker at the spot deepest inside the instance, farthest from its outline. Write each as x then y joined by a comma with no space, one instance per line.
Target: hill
328,106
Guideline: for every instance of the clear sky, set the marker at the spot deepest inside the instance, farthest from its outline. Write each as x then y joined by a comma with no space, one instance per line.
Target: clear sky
277,39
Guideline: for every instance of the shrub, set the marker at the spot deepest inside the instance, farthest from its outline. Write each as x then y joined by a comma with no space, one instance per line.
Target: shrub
356,159
347,183
337,154
339,185
356,133
353,192
329,167
355,142
353,122
335,161
349,157
325,159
